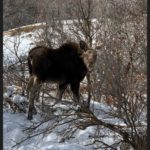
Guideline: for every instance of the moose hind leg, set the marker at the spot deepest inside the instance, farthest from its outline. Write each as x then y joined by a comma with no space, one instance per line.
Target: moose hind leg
61,89
33,94
75,89
29,85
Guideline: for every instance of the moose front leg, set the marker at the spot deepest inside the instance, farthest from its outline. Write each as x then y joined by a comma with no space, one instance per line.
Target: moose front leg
75,89
33,94
61,89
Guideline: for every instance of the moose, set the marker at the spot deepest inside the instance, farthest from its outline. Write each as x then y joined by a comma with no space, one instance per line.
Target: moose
66,65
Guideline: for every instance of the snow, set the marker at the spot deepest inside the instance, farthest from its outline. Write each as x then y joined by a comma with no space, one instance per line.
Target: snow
14,92
10,90
18,43
17,98
66,147
15,123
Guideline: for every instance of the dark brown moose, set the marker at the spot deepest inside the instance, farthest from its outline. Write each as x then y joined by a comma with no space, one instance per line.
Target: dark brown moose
65,66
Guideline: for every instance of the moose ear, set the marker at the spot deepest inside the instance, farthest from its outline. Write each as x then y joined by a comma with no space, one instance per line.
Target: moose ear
83,45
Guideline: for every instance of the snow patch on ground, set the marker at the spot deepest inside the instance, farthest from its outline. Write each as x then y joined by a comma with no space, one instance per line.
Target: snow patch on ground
14,123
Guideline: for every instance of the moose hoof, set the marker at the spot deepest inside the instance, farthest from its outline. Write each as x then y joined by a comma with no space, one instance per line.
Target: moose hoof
30,117
34,111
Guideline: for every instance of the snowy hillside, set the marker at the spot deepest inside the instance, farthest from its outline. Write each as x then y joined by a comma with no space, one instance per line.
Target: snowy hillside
19,40
15,125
